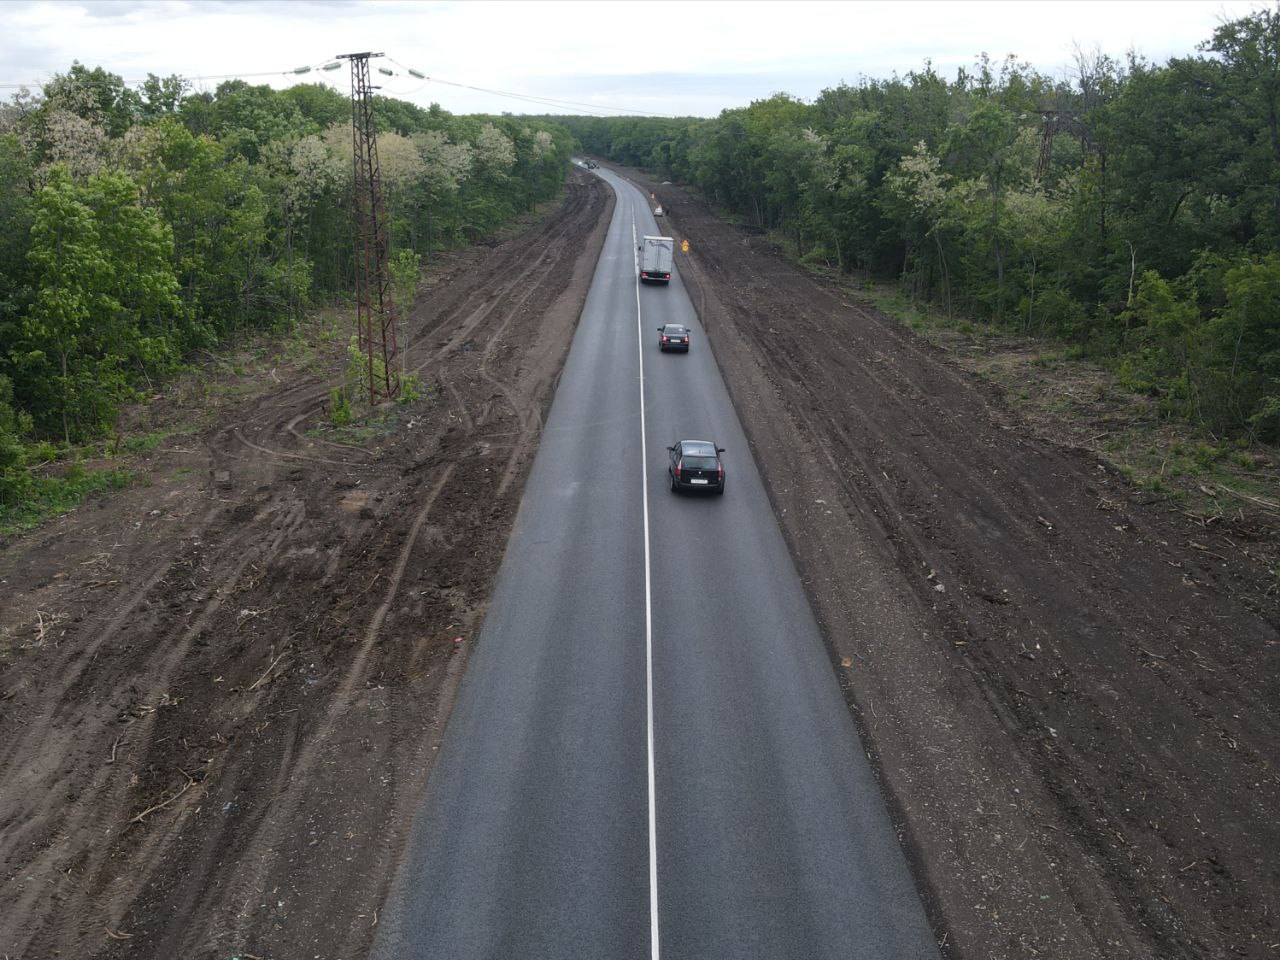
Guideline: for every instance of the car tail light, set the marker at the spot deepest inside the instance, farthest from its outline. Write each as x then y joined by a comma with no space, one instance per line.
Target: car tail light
677,469
666,276
720,470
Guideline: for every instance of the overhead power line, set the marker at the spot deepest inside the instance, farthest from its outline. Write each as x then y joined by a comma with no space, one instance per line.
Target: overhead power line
531,98
41,84
329,65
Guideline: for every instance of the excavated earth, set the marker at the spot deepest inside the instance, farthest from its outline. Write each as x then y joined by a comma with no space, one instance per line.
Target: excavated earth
1070,687
221,689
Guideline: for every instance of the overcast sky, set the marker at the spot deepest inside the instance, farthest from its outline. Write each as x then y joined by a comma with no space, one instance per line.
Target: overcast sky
672,58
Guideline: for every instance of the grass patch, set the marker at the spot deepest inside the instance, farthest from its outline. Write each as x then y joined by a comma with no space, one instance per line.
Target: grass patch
52,496
145,442
354,432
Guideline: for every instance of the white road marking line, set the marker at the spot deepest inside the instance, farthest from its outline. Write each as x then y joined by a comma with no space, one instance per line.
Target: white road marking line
648,617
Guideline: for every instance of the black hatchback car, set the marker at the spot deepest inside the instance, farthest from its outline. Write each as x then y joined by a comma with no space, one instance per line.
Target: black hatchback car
695,465
673,336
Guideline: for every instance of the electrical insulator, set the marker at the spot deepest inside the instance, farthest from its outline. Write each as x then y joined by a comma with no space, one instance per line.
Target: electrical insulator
302,70
331,66
418,74
386,72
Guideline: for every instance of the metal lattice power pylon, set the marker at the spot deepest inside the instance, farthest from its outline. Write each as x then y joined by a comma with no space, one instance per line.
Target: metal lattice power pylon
375,311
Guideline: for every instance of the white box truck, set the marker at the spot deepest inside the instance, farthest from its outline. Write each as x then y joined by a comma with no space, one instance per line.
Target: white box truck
655,259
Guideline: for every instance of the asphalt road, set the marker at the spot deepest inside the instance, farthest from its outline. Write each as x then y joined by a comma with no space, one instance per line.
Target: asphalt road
649,738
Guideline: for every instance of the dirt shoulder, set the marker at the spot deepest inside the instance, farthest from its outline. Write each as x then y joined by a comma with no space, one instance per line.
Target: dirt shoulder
1069,686
221,689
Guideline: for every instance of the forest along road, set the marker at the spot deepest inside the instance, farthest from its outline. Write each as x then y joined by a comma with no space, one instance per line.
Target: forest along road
618,683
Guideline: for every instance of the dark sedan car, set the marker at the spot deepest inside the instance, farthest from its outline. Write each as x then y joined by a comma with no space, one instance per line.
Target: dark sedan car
695,465
673,336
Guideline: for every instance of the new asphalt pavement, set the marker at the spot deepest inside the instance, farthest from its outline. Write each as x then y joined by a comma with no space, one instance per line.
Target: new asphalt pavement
650,755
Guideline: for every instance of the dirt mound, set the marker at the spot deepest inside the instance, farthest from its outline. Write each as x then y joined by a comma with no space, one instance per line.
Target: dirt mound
1071,688
221,690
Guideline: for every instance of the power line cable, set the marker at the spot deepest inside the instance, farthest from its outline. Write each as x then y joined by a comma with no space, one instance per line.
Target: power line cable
297,71
531,98
595,109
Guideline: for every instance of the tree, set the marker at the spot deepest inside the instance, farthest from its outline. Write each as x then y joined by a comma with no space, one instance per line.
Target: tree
97,96
984,147
917,195
72,303
162,97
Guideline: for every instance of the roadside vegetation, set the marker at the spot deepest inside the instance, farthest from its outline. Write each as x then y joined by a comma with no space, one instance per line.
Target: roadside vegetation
139,227
1074,399
1130,212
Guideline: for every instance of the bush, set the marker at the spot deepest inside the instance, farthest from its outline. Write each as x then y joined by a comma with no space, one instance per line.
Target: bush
14,479
339,408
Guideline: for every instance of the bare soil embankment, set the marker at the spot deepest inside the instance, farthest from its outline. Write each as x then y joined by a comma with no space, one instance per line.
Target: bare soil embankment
1070,687
221,689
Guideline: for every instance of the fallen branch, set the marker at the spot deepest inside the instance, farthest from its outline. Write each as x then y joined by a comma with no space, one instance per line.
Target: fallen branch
118,934
268,670
1203,549
1257,501
164,803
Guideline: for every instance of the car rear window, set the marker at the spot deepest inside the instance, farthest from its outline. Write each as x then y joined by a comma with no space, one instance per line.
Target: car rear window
672,329
698,463
698,449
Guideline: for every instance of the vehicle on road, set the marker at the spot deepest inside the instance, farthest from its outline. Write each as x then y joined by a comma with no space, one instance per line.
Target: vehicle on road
695,465
656,254
673,336
657,211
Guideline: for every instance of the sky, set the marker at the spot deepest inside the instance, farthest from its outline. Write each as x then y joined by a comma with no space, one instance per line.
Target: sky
684,58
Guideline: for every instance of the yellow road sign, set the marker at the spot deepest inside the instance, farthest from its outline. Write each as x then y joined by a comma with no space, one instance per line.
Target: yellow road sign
684,246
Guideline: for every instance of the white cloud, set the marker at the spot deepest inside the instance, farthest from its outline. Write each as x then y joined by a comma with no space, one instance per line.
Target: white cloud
662,56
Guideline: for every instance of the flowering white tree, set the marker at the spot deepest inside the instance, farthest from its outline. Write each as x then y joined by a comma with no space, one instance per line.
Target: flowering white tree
495,154
542,144
920,185
446,165
75,143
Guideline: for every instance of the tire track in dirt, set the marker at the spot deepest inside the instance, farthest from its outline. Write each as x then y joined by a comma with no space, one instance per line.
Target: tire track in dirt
290,659
100,794
1066,698
302,764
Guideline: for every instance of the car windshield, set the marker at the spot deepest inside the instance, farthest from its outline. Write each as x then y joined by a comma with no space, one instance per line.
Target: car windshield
673,330
698,450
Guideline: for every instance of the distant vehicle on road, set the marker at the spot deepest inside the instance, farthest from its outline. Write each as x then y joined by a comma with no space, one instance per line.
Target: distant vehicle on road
695,465
673,336
657,211
656,254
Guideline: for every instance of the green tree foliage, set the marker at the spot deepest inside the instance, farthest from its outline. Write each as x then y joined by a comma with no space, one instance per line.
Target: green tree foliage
97,96
1133,209
139,224
105,297
15,482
